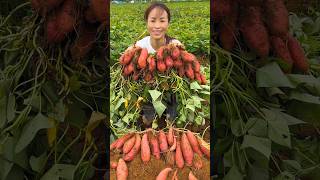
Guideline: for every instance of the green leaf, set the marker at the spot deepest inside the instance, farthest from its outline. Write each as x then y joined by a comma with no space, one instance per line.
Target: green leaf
159,107
256,172
292,165
190,105
257,127
236,126
30,130
94,121
199,120
128,117
197,101
58,112
154,124
74,83
272,76
154,94
60,171
278,130
11,108
304,97
5,168
290,119
195,85
119,103
233,174
305,111
3,111
16,173
262,145
285,175
37,163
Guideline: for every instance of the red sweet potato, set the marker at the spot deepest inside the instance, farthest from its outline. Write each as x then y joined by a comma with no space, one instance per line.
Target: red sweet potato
130,68
198,77
220,9
179,157
122,170
142,61
174,145
228,28
161,66
181,71
169,62
196,66
177,63
145,148
128,145
122,140
170,136
154,146
136,148
162,141
250,2
277,17
204,149
254,32
186,150
189,71
297,54
160,53
187,57
194,143
203,79
164,174
175,53
113,164
100,9
89,16
282,51
148,76
84,42
152,63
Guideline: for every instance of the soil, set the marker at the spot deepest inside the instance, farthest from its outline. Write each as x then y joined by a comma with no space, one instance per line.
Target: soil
140,171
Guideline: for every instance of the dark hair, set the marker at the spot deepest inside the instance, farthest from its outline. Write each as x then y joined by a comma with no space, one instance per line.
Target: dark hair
162,6
154,5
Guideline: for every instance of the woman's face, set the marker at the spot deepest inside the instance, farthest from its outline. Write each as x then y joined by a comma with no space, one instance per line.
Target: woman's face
157,23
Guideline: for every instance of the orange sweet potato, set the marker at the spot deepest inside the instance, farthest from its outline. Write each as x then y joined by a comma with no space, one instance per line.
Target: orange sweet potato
179,157
164,174
282,51
122,170
186,150
299,59
194,143
128,145
145,148
162,141
154,146
136,148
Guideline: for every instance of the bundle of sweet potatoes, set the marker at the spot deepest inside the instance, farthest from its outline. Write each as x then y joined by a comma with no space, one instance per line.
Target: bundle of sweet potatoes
139,63
178,148
264,27
62,17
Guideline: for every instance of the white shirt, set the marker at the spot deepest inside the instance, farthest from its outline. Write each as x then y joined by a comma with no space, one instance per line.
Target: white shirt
146,43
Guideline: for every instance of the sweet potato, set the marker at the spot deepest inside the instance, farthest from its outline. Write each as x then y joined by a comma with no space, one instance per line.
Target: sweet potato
277,17
198,77
189,71
204,149
194,143
297,54
197,161
220,9
181,71
179,157
174,145
177,63
122,140
145,149
44,6
254,32
65,16
169,62
161,66
100,9
148,77
154,146
130,68
192,176
160,53
175,53
113,145
84,42
170,136
53,34
136,148
136,75
142,61
186,150
89,16
152,63
282,51
122,170
170,156
128,145
113,165
187,57
162,141
196,66
203,79
228,28
164,174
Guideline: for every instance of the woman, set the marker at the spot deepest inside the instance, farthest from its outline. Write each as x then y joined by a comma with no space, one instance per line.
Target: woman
157,17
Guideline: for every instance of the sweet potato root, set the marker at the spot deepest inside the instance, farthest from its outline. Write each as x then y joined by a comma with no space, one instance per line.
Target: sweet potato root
277,17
